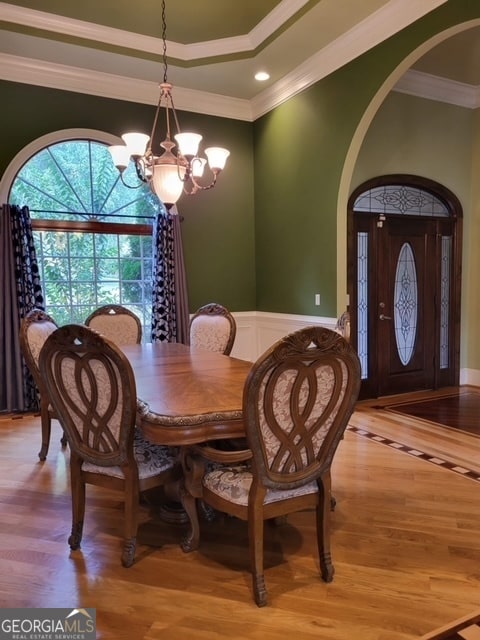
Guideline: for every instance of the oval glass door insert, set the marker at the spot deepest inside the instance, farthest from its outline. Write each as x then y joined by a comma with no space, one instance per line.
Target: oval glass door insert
405,304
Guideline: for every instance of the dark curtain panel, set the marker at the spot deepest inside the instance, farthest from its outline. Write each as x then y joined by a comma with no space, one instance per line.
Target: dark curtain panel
21,292
170,315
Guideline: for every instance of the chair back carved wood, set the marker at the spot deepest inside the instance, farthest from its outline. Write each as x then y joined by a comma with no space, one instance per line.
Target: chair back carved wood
298,399
92,388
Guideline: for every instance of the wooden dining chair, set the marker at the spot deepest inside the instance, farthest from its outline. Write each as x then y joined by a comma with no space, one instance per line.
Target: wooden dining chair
92,388
116,323
343,325
298,399
35,328
213,328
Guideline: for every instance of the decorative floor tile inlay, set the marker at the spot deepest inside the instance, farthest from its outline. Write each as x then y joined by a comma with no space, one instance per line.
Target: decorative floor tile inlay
451,466
467,628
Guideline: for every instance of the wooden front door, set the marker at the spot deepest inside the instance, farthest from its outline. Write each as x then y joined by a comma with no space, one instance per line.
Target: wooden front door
405,296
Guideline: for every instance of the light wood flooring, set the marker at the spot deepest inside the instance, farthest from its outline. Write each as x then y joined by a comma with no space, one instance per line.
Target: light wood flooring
405,544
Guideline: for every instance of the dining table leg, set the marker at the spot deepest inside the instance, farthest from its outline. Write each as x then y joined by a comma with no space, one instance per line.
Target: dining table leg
190,494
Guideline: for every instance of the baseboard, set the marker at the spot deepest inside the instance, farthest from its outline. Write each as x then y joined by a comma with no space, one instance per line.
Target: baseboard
470,377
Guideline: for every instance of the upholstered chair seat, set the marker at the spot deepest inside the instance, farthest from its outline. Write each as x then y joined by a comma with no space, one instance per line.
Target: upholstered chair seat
234,483
151,460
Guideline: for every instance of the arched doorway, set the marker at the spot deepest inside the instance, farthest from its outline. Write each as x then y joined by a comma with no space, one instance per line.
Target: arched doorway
404,268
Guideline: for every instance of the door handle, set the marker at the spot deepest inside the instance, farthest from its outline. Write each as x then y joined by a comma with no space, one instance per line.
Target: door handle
384,317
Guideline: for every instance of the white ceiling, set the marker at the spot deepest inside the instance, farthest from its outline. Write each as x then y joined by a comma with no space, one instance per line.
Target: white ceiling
86,47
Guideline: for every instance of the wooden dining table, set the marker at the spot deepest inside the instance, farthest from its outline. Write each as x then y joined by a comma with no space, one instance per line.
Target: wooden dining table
186,396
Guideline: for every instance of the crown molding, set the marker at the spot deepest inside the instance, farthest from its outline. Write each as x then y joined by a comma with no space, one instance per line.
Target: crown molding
148,44
58,76
384,23
425,85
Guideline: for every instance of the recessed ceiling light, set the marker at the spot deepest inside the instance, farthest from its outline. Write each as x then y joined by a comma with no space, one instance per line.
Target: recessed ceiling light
261,76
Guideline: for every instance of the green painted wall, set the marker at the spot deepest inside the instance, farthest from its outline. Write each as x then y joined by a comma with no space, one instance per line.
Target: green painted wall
471,270
421,137
267,237
300,151
300,154
218,227
434,140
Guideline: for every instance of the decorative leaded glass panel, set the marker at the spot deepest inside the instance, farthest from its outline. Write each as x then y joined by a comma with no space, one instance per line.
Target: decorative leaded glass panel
77,180
362,296
405,304
445,301
400,199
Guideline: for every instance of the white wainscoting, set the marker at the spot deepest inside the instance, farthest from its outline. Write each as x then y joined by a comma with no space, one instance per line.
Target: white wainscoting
470,377
258,330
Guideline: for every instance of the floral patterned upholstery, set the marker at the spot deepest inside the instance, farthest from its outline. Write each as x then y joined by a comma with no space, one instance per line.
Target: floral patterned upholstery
213,328
35,328
116,323
151,459
37,333
233,484
210,333
343,325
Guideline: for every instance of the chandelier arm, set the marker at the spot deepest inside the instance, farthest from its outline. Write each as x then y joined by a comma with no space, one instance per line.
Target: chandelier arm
140,171
177,124
202,187
155,121
130,186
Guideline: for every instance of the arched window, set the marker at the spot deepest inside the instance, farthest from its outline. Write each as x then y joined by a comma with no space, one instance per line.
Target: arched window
93,235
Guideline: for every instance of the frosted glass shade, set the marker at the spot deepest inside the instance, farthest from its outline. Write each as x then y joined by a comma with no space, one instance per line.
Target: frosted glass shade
166,182
120,155
217,157
188,143
136,143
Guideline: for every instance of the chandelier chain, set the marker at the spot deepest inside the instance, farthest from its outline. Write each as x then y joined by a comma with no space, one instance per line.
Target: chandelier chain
164,38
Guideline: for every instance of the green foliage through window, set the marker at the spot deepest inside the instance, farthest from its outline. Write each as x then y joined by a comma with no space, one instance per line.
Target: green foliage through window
75,181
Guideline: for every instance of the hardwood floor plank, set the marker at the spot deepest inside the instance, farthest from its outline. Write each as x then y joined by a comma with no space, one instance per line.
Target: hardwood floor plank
405,546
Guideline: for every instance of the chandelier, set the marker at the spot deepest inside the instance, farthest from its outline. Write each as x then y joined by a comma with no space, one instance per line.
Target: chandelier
170,173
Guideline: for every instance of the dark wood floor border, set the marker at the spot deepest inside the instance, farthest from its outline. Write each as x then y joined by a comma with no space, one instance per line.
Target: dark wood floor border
453,631
416,453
